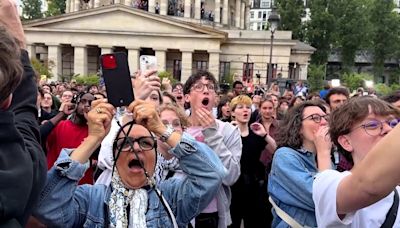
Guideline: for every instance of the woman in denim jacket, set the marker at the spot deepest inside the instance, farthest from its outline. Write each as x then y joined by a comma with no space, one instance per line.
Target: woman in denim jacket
130,200
304,129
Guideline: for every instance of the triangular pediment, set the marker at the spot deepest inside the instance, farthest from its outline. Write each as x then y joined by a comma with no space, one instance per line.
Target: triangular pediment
120,18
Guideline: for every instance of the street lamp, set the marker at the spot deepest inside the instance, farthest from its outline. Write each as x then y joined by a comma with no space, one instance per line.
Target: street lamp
273,21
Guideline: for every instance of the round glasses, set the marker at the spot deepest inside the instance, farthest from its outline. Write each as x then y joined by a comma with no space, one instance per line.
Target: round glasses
199,87
145,143
375,127
317,118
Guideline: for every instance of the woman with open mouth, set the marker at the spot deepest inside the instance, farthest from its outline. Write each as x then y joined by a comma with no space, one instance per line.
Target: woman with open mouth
132,200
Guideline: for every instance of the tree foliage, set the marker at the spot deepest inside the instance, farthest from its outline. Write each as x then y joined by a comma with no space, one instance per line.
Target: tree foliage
43,68
31,9
315,78
87,80
55,7
291,12
354,80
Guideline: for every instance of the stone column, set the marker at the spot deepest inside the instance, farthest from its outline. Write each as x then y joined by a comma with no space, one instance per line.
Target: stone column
80,60
31,48
54,56
213,63
77,6
188,8
152,6
133,59
303,72
225,10
67,6
242,15
161,55
91,3
96,3
187,61
128,2
217,13
197,9
247,18
163,7
117,1
106,50
237,13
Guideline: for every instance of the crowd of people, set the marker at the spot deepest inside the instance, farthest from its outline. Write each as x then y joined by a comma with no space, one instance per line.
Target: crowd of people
191,155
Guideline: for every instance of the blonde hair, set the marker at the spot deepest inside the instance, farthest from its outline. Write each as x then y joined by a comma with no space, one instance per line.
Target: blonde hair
241,99
179,112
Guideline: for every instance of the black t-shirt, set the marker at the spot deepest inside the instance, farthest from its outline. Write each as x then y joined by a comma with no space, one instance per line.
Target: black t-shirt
251,166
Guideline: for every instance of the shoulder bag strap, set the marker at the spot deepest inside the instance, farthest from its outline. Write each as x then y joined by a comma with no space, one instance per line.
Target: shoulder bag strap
392,214
284,216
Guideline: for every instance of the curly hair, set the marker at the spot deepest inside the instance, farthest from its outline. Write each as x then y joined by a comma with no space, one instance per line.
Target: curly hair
196,77
289,134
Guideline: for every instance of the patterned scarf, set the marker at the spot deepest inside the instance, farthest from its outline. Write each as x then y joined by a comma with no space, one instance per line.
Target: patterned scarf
119,200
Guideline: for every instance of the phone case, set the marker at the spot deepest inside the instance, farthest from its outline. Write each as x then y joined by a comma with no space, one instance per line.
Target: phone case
148,62
115,71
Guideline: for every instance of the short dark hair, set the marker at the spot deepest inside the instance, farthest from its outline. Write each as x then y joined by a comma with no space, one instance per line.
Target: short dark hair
11,70
196,77
337,90
392,98
289,134
236,83
176,84
172,97
342,120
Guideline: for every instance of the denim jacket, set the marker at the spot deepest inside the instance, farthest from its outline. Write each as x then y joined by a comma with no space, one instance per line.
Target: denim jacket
64,204
290,185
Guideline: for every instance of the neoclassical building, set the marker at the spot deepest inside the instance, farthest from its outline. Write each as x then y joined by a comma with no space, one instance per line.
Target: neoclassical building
183,43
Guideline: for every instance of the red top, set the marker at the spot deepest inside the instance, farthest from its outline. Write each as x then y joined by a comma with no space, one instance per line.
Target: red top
67,135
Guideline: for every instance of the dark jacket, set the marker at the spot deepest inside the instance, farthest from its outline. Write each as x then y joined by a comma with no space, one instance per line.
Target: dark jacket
22,162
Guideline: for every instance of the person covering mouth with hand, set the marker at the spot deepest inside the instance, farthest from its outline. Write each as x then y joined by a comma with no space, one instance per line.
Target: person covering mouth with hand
223,138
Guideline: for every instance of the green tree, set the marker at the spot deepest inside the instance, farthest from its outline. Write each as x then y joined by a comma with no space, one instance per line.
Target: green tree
55,7
31,9
354,80
43,68
352,29
87,80
385,33
320,30
291,12
315,78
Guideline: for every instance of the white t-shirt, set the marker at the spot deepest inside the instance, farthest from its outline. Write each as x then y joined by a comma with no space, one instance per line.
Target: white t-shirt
324,195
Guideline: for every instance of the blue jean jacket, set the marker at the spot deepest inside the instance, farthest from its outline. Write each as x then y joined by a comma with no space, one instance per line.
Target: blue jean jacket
64,204
290,185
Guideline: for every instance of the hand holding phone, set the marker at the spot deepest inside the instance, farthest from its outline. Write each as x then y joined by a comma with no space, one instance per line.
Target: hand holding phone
115,71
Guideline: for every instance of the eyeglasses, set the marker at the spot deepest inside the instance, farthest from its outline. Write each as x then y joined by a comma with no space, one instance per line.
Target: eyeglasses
375,127
200,87
317,118
145,143
177,90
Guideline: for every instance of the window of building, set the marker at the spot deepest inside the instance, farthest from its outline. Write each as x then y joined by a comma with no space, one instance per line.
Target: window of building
200,65
264,26
259,26
177,69
224,71
251,14
264,15
252,26
265,4
259,14
247,71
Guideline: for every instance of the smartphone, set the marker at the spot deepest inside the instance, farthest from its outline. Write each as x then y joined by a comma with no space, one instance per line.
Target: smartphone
147,63
114,69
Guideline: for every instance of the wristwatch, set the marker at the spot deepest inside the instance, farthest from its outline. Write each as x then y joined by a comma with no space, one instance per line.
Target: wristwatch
165,136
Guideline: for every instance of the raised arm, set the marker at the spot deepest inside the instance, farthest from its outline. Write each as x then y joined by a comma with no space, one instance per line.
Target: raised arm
373,178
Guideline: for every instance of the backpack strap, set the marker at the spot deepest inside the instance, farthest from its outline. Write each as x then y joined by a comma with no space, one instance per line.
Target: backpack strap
284,216
392,213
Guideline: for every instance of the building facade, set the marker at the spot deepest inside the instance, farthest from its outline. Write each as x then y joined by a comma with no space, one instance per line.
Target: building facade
73,42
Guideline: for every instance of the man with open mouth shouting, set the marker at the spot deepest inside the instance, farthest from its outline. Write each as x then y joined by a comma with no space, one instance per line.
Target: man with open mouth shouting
131,200
222,137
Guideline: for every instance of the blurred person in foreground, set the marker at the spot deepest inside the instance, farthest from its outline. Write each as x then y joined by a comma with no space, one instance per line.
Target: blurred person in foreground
22,161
